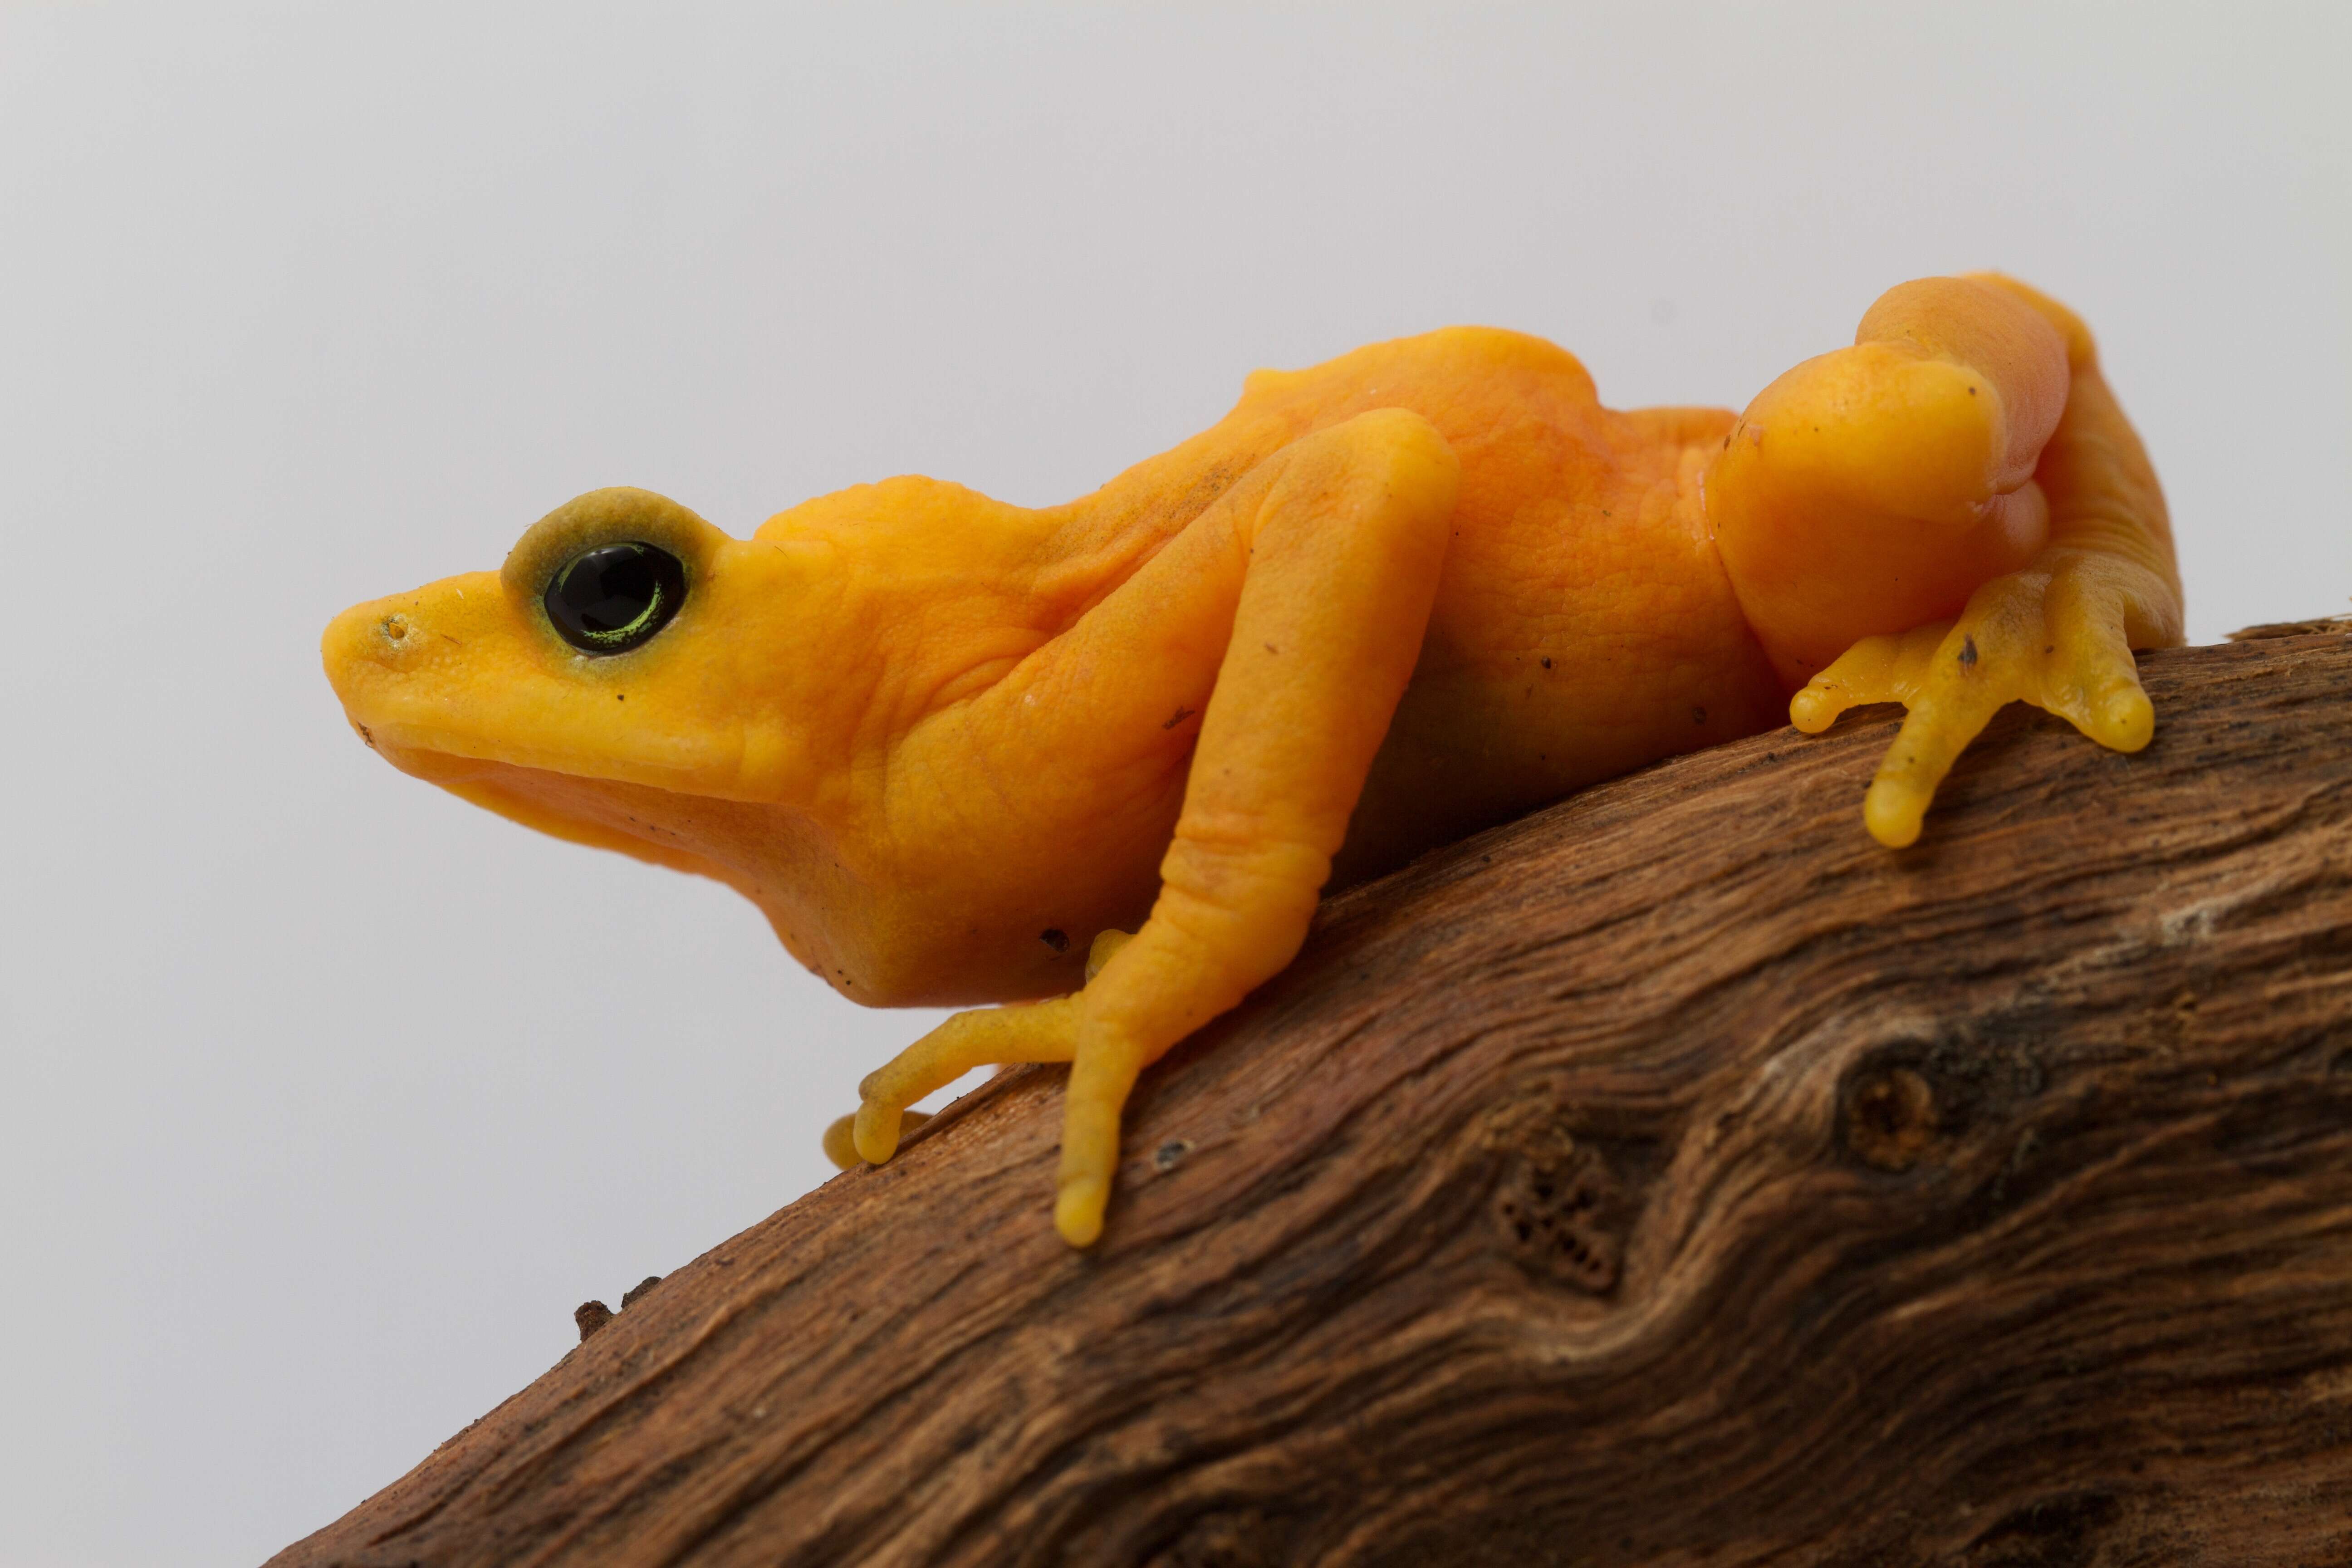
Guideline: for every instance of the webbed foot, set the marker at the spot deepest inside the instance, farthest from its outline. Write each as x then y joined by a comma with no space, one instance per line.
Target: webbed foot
2056,636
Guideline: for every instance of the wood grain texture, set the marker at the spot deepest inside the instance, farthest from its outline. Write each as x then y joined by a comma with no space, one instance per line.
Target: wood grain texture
1671,1177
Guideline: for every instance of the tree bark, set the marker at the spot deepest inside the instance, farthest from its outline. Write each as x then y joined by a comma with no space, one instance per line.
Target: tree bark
1671,1177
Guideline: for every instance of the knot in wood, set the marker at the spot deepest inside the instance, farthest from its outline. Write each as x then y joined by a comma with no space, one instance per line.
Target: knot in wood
1890,1118
1556,1206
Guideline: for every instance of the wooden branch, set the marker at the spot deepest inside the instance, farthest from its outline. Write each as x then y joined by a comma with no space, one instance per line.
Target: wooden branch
1673,1176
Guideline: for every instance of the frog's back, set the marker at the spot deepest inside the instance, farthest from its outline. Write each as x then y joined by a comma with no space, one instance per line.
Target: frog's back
1584,625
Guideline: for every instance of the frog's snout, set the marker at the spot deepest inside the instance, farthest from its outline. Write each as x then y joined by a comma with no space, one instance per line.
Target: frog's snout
368,642
387,656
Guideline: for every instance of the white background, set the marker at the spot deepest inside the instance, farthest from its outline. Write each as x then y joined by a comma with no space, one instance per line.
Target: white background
326,1097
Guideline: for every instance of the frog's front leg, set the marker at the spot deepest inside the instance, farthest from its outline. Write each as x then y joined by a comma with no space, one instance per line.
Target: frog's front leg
1343,551
1314,574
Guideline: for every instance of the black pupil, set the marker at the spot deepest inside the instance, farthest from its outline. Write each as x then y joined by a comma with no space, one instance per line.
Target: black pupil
610,599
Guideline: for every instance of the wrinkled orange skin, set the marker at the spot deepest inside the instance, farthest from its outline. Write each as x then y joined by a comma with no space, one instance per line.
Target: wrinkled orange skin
1421,588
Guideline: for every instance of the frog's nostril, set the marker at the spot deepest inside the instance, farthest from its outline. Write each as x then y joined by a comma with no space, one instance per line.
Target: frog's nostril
368,645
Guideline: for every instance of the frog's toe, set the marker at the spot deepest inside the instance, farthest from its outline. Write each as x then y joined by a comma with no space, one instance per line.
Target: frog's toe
875,1130
841,1138
985,1036
841,1141
1102,1075
1944,718
2096,686
1099,952
2118,715
1876,669
1895,810
1078,1209
1817,707
2127,720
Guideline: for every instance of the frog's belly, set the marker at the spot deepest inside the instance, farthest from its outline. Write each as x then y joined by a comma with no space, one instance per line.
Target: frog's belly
1552,663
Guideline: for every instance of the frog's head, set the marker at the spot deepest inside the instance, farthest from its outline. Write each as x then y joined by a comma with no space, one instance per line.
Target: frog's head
636,680
632,678
625,639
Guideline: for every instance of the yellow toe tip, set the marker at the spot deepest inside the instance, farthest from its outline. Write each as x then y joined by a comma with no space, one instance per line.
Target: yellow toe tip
1895,821
877,1134
1812,710
1078,1212
841,1142
2126,721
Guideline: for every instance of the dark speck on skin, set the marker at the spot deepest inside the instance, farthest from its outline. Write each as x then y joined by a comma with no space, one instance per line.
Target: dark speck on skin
1054,938
1547,663
1968,653
1177,718
1699,715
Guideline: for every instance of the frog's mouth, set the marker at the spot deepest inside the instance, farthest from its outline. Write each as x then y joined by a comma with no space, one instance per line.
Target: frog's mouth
634,819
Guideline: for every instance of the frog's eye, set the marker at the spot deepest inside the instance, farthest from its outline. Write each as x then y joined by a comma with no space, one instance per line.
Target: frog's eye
614,598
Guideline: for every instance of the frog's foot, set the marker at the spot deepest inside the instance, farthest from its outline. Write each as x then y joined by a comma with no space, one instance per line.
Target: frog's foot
1021,1032
2054,636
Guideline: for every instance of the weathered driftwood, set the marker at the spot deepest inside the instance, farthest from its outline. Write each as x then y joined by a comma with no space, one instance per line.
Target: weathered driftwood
1671,1177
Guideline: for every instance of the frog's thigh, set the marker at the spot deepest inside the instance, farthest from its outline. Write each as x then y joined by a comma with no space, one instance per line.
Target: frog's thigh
1344,550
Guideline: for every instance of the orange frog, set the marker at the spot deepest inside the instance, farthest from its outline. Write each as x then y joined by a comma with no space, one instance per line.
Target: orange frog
957,749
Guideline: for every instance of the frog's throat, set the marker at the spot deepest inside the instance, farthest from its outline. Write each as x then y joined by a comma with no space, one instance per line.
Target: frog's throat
509,789
756,849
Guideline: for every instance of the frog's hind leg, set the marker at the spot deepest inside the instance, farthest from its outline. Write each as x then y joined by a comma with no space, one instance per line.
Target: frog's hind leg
1953,515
